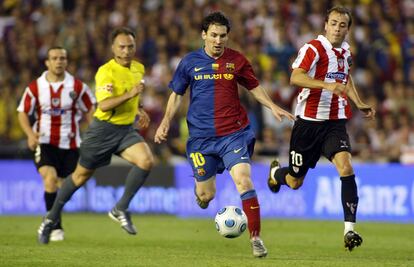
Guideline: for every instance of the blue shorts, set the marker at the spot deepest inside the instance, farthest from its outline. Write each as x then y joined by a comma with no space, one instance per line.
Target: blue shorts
211,155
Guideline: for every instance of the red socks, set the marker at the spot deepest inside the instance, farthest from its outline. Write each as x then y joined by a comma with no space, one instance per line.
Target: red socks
252,209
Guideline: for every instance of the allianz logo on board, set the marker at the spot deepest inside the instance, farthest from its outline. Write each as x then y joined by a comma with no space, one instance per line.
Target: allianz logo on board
387,200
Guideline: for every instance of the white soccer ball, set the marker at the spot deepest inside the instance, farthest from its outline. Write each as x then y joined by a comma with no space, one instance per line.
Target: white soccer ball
231,221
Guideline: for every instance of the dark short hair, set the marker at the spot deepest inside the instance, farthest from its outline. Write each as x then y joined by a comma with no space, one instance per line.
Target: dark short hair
121,30
340,10
56,47
215,18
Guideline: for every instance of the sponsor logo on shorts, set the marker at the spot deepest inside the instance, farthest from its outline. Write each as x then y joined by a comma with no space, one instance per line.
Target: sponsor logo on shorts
295,169
344,144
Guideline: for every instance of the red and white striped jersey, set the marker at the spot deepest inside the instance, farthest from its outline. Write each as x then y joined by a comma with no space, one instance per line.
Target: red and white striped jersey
58,109
323,62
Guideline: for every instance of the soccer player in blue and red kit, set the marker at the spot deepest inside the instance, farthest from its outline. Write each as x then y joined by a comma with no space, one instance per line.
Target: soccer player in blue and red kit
220,134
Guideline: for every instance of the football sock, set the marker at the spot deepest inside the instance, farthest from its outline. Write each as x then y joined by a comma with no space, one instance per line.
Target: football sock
49,199
135,179
349,196
348,226
65,193
280,175
252,209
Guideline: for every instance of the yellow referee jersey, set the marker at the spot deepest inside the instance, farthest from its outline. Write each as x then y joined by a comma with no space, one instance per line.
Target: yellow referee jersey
113,79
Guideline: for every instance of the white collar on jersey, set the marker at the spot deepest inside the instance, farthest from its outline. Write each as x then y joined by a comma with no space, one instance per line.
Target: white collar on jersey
68,77
328,44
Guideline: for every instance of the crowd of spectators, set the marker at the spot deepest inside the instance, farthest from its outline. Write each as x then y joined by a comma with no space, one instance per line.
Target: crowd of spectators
268,32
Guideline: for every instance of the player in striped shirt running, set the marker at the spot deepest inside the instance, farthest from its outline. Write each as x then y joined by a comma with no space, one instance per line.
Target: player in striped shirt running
58,101
322,71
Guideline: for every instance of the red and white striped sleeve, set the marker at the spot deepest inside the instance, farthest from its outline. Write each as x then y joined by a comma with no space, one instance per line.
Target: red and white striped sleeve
28,102
86,99
307,58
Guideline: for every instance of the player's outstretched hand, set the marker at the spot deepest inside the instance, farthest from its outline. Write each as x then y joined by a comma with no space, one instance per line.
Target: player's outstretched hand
162,132
367,110
143,120
279,113
33,141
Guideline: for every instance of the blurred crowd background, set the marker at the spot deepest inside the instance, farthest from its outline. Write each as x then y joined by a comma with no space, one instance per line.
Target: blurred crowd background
269,33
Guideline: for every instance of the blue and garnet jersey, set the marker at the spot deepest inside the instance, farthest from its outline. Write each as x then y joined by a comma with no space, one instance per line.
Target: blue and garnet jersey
215,108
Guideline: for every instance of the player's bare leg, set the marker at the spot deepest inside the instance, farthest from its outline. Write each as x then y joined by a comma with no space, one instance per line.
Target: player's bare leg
205,191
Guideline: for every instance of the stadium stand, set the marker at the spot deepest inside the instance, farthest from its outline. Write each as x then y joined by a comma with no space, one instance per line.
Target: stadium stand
268,32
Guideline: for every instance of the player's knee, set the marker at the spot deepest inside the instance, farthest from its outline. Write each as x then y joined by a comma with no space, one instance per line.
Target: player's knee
50,183
206,196
79,178
144,161
244,185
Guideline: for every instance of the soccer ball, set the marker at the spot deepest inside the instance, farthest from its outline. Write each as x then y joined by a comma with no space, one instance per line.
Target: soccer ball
231,221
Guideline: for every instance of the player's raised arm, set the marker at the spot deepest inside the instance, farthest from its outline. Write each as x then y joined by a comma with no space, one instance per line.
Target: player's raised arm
173,104
263,98
354,96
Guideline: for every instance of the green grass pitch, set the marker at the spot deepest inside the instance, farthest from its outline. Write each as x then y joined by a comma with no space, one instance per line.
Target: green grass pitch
95,240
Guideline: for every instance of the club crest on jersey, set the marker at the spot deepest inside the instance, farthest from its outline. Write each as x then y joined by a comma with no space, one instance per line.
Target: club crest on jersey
230,67
55,102
215,66
340,63
73,95
201,172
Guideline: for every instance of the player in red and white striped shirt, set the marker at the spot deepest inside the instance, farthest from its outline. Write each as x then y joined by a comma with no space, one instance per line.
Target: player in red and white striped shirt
322,71
58,101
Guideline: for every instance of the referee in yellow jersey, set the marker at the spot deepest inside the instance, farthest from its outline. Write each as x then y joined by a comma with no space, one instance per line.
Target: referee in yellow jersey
119,84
